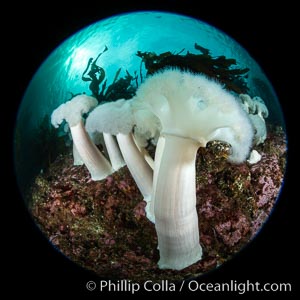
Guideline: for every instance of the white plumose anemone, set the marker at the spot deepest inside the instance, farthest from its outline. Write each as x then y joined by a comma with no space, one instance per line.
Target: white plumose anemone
192,110
84,149
116,118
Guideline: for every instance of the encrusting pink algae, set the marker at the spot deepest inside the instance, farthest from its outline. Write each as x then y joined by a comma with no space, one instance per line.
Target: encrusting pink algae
102,225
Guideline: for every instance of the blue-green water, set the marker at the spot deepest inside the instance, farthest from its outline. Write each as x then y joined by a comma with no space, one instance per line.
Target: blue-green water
124,35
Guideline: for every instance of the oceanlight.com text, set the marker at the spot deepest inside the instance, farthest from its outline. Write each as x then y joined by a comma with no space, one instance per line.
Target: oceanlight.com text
192,286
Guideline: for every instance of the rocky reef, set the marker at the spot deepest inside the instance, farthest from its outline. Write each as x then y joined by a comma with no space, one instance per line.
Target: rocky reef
101,225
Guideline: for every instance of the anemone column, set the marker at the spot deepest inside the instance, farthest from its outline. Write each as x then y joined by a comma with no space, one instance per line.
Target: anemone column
176,219
96,163
137,165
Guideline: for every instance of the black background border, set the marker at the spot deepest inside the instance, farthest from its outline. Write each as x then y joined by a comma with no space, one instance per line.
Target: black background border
34,31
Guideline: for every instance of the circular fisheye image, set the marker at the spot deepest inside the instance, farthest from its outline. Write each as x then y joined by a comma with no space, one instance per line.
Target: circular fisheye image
150,146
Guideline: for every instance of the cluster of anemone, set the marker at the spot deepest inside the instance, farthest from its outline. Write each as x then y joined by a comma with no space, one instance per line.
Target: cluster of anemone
177,112
258,112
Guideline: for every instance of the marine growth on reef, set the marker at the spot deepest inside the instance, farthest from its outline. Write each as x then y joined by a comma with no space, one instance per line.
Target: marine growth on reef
220,186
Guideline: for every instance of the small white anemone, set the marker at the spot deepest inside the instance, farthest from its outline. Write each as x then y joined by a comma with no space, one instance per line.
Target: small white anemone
84,150
116,118
257,111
